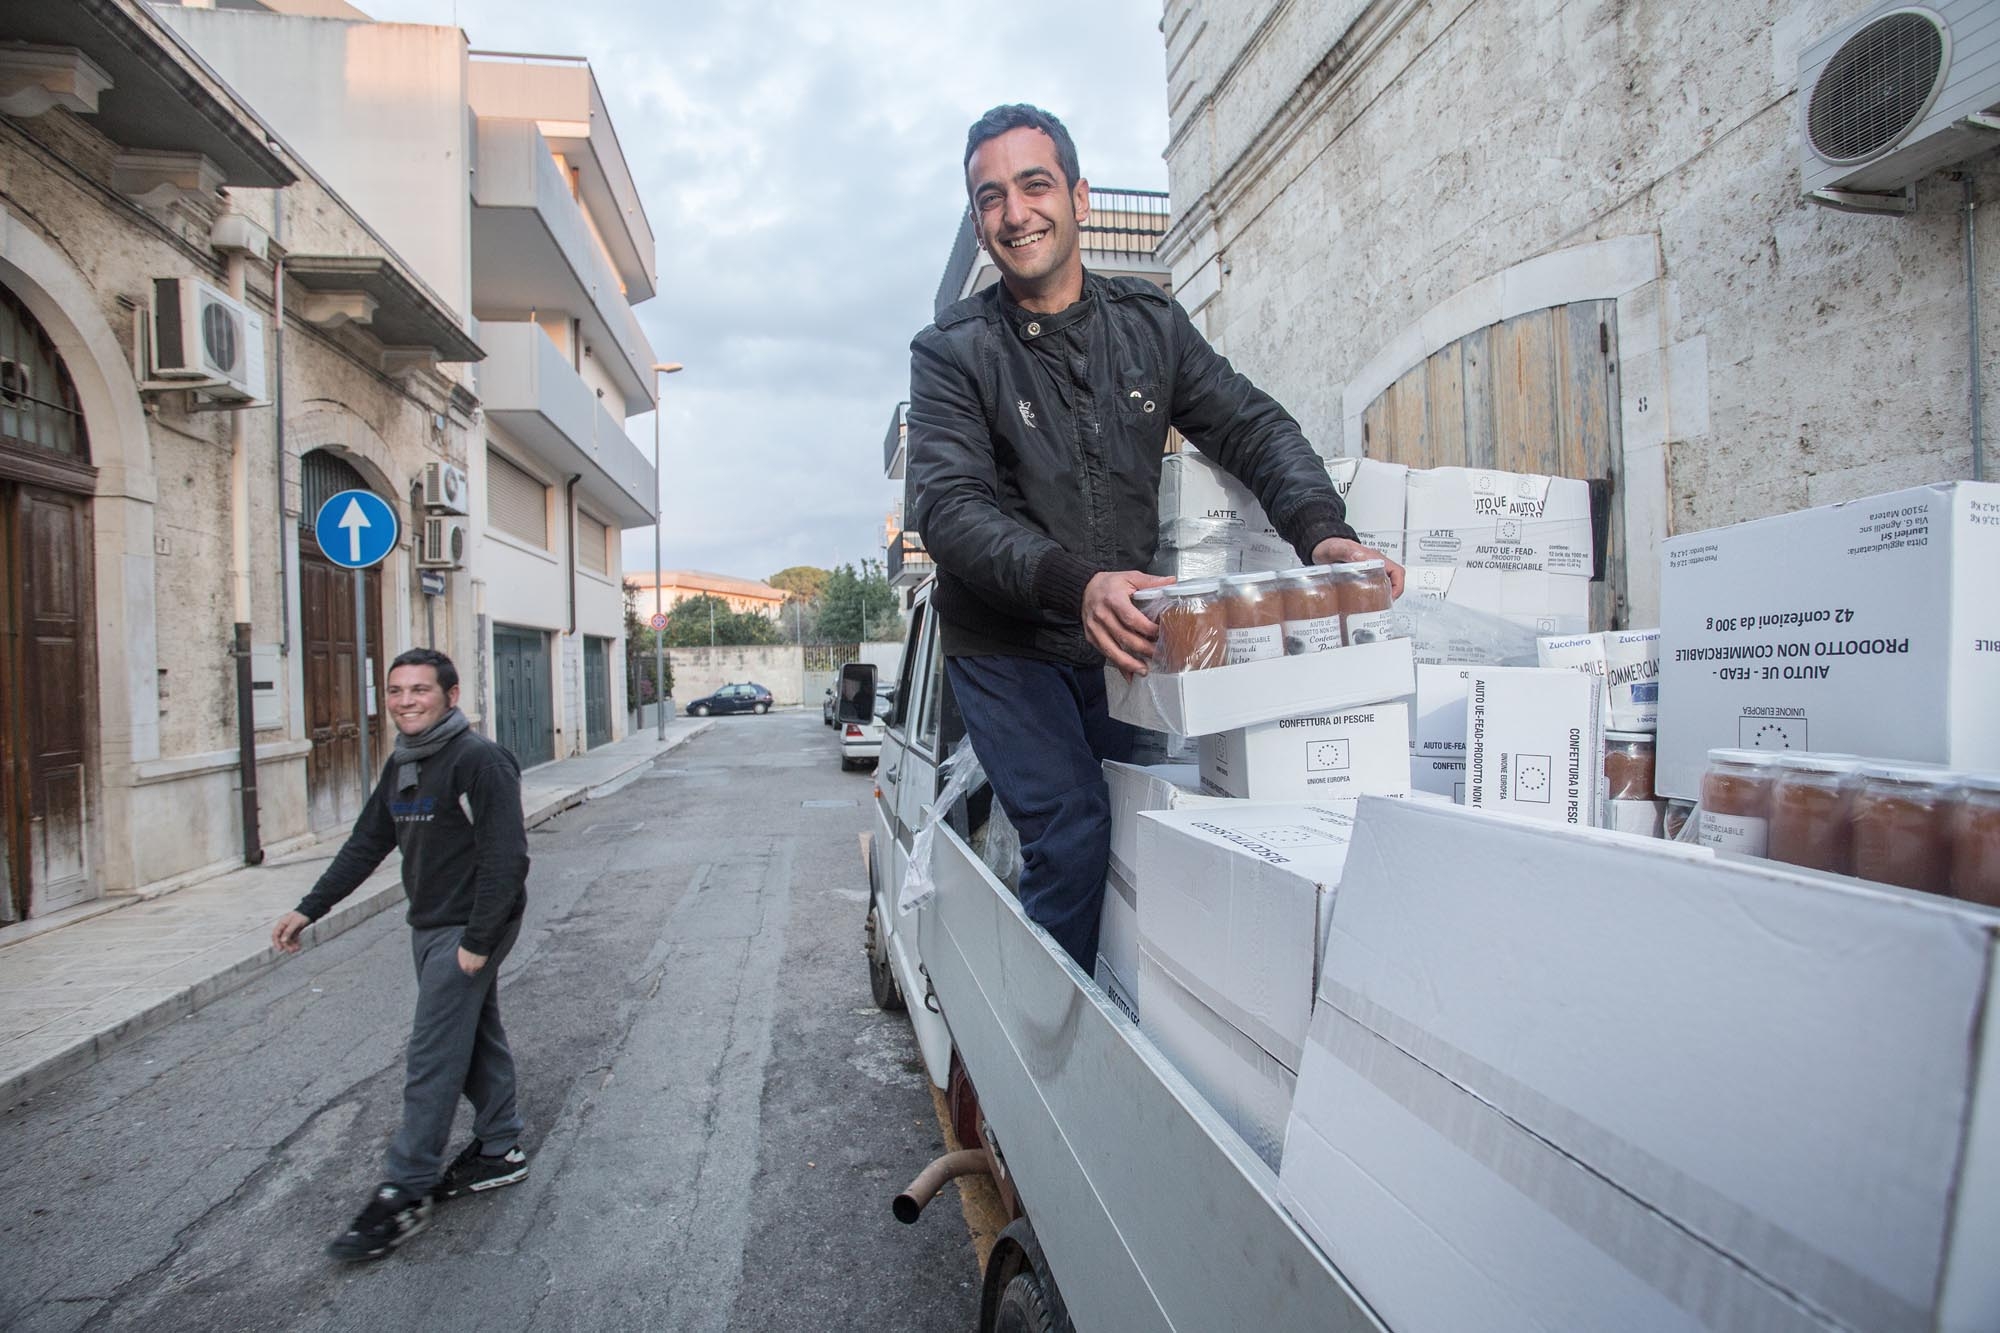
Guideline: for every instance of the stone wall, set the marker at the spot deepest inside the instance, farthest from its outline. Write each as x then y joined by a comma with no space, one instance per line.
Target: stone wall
1355,183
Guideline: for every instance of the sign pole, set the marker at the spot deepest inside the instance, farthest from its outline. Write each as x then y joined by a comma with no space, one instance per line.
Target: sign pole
361,672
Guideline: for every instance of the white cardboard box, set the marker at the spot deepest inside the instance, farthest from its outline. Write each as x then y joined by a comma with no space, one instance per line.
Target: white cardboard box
1439,775
1360,751
1515,522
1437,722
1524,605
1626,663
1867,627
1534,744
1118,938
1234,906
1134,789
1374,493
1563,1081
1199,703
1203,508
1235,1075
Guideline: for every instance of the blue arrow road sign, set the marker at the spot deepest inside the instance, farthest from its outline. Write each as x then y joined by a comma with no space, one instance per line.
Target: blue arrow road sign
355,529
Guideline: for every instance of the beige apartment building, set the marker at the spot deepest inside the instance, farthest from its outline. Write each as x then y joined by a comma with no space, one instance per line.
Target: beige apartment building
1574,238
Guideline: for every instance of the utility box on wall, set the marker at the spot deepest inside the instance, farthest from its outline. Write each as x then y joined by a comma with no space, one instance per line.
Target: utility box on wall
267,687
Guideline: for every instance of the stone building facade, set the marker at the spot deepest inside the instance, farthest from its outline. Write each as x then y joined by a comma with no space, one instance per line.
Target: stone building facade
1570,237
162,518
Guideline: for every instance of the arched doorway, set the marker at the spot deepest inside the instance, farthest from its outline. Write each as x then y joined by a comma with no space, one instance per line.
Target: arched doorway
47,654
343,676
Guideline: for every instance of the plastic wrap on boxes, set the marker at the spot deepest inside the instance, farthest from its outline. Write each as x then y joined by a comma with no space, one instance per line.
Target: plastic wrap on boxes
1445,632
963,775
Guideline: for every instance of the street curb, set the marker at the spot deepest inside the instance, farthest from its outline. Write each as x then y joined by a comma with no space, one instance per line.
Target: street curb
371,898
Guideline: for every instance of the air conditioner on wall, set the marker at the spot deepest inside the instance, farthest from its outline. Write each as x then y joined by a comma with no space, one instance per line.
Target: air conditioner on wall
445,488
202,338
1896,94
443,546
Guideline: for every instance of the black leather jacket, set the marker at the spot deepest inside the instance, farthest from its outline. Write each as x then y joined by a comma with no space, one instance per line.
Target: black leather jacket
1034,455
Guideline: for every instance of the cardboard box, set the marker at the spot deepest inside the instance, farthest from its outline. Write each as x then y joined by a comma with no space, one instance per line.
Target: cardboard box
1489,616
1203,508
1359,751
1118,939
1572,1080
1200,703
1534,744
1135,789
1152,748
1235,904
1866,627
1239,1078
1374,493
1440,776
1630,697
1437,722
1505,522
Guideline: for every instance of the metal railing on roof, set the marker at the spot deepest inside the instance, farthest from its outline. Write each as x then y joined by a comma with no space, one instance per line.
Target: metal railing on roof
898,424
908,556
527,58
1122,222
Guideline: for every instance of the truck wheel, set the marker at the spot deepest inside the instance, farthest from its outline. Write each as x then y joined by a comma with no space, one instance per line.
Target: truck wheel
1018,1294
881,973
1024,1307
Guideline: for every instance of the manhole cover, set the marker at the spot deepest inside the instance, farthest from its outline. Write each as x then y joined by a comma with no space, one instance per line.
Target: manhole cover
824,805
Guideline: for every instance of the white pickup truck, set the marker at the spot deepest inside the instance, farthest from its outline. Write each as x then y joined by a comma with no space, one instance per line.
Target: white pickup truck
1134,1205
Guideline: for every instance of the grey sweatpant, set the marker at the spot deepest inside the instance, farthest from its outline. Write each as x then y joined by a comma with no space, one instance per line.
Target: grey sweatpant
456,1046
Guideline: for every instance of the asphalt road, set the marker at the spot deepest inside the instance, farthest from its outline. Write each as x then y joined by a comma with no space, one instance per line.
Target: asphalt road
718,1115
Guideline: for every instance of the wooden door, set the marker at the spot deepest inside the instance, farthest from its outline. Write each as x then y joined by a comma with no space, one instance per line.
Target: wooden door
50,705
1537,393
336,785
523,719
596,691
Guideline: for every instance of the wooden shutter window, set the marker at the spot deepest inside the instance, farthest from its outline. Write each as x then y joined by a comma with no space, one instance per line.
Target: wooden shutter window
592,544
516,502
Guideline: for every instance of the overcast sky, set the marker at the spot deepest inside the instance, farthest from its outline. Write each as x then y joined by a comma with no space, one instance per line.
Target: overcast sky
800,166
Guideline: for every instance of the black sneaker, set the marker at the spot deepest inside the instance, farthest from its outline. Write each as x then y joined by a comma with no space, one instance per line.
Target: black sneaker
391,1217
470,1172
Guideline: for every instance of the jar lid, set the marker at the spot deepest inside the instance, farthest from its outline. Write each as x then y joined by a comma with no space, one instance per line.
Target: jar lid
1629,737
1807,761
1245,580
1915,775
1193,588
1304,572
1748,758
1980,781
1147,596
1361,566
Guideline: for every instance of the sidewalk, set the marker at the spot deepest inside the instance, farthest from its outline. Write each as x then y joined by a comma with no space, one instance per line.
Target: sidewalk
72,993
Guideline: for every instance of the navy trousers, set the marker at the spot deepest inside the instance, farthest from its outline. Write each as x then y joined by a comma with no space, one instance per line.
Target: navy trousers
1041,731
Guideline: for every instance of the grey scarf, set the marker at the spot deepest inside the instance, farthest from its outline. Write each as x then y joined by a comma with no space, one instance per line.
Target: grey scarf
410,750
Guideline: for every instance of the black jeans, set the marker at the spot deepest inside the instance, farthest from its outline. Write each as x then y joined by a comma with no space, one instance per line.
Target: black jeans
1041,732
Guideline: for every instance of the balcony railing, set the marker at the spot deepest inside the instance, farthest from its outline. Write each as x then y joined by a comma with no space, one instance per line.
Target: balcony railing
909,563
1122,222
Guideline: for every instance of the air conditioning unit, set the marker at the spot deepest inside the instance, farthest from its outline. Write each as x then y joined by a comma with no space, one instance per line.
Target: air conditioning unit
1894,95
446,489
443,545
207,339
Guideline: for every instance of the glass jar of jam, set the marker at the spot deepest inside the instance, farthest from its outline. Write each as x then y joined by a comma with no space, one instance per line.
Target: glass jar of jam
1366,602
1811,811
1736,801
1975,839
1255,616
1628,765
1899,825
1312,610
1193,635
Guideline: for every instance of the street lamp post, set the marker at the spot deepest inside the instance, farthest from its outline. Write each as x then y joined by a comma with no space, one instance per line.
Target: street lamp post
659,593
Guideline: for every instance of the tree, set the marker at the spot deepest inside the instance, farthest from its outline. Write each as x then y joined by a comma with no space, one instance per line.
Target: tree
689,624
639,651
859,606
806,582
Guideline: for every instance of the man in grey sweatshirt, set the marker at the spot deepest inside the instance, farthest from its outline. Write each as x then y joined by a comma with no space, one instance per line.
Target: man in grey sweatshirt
451,801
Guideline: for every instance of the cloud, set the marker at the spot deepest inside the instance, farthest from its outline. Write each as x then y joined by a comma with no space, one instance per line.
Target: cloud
800,167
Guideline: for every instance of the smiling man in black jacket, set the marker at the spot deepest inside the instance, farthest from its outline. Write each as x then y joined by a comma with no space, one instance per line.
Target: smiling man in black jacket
451,800
1038,419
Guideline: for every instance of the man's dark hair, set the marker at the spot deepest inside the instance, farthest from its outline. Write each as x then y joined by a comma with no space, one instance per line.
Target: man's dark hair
447,673
1021,116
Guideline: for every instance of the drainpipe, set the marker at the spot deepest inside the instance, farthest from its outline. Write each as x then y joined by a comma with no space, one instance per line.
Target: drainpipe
1972,325
570,497
278,423
239,581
